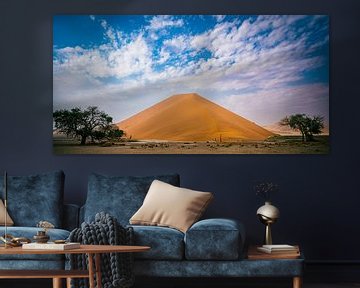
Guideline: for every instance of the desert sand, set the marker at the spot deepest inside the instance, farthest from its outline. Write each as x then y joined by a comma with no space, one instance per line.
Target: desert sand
274,145
190,117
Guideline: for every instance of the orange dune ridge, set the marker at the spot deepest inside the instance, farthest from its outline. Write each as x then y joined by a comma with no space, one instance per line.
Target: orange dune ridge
190,117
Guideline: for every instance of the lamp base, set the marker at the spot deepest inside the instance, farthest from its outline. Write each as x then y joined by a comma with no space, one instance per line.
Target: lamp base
268,237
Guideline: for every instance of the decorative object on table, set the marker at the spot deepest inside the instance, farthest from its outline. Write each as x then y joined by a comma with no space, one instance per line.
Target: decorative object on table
116,268
41,236
268,213
255,254
60,241
11,241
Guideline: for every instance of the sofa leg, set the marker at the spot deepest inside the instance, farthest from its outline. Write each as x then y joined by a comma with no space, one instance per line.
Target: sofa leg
57,283
297,282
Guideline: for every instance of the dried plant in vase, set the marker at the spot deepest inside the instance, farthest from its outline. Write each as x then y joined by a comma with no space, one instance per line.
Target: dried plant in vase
268,213
265,189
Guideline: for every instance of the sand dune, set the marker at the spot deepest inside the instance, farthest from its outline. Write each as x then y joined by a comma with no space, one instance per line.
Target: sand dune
281,130
190,117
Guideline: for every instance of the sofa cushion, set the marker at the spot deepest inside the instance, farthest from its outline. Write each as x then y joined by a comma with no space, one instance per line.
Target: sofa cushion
29,232
39,264
9,221
119,196
169,206
35,198
165,243
214,239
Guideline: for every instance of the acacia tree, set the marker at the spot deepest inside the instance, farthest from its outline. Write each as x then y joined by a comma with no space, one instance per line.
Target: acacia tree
90,123
308,126
110,133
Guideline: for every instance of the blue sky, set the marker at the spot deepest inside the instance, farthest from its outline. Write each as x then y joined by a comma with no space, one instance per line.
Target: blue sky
262,67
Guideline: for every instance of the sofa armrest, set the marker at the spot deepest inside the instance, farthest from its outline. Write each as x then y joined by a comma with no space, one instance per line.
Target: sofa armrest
70,216
215,239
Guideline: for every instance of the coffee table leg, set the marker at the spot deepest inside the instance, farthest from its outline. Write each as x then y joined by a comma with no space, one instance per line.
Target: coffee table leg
57,283
68,282
98,270
91,270
297,282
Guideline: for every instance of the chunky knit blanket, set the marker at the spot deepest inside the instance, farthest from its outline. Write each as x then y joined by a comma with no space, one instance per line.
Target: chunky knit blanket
116,268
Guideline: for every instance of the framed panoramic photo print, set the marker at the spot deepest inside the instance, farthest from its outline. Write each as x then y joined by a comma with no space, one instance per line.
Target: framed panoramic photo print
191,84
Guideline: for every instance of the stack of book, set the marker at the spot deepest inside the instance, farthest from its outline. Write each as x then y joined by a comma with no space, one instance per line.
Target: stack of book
279,249
274,252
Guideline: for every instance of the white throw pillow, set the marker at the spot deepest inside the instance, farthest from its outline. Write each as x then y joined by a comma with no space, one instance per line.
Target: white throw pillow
170,206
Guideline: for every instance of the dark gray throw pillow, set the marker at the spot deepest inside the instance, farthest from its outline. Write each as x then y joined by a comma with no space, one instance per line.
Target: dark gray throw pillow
35,198
120,196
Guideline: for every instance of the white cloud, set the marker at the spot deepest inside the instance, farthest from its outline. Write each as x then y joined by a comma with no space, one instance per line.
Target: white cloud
79,60
201,41
223,41
177,44
153,36
132,58
92,17
219,18
103,24
106,61
110,33
164,56
164,21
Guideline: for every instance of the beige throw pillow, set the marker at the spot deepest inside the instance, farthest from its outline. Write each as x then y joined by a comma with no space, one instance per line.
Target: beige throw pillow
9,221
170,206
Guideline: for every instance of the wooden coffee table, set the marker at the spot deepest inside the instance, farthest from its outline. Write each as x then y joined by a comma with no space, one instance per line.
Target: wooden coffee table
92,251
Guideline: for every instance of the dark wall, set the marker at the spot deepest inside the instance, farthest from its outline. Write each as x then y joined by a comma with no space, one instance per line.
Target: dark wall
319,194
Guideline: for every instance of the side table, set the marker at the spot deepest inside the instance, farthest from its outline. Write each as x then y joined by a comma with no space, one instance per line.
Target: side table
255,255
93,251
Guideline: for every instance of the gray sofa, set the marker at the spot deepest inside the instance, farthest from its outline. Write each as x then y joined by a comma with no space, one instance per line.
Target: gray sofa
210,248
